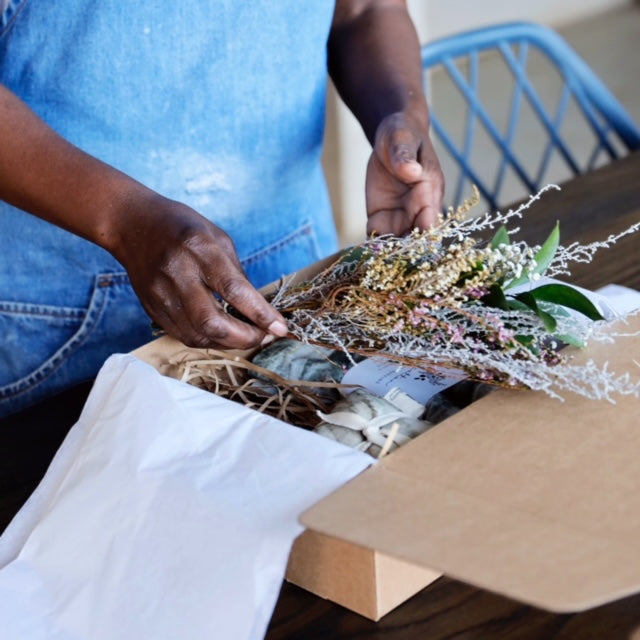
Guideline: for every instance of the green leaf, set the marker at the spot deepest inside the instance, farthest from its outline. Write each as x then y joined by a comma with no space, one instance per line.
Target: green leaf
555,310
561,312
355,254
516,305
528,342
565,296
548,320
467,275
495,298
543,258
501,237
569,338
547,251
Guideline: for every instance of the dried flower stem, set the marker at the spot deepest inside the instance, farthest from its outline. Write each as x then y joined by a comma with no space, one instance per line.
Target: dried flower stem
439,298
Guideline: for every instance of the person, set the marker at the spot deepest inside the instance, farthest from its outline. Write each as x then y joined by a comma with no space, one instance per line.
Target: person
157,159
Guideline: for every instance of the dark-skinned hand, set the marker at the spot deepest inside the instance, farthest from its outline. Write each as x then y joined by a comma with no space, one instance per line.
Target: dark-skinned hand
405,185
177,260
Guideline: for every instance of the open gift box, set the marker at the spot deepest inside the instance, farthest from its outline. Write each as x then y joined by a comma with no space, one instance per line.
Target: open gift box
521,494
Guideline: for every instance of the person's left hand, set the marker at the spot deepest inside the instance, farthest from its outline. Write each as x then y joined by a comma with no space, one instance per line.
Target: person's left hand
405,184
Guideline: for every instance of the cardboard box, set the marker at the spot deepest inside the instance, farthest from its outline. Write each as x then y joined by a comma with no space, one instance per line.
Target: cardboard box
361,579
520,494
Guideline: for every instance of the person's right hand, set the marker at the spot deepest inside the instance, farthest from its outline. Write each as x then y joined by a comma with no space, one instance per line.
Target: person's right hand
176,260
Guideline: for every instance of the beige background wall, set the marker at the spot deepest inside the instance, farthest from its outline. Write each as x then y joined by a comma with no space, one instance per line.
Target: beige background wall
347,150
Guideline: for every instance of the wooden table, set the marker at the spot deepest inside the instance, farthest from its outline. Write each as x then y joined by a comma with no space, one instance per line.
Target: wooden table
589,208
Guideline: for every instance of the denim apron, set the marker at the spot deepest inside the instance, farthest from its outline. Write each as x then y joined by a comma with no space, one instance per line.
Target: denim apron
215,103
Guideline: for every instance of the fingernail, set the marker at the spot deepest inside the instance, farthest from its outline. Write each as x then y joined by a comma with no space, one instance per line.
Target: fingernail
268,339
278,328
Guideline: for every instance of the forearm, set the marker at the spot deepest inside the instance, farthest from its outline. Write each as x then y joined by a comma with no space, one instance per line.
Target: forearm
44,174
374,61
176,259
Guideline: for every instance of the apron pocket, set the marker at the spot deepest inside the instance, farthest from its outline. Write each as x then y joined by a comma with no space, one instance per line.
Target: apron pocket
38,339
290,253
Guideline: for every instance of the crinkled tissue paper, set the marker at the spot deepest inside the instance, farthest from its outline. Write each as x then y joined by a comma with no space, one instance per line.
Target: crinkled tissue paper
167,513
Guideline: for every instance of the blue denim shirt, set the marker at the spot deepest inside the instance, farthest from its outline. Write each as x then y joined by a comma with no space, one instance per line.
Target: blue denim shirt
217,104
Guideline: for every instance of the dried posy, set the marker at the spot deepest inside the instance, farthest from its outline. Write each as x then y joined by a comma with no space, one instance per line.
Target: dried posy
441,298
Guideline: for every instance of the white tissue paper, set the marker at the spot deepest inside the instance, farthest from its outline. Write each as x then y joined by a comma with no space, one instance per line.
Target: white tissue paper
168,513
621,299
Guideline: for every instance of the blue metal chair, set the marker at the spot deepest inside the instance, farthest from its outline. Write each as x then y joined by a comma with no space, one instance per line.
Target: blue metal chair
613,130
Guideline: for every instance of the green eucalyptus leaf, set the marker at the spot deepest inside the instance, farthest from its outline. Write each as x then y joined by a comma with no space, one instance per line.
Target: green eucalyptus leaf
501,237
516,305
355,254
566,296
517,282
548,320
528,342
547,251
543,257
495,298
569,338
467,275
555,310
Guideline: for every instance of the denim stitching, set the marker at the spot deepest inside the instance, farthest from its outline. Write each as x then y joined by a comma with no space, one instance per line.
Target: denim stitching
305,230
9,14
93,313
112,279
43,310
52,311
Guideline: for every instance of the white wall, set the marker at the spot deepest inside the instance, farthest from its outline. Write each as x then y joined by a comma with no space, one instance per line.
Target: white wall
347,150
437,18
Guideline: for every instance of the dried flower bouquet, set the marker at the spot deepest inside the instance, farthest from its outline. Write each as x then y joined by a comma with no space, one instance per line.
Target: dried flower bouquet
442,299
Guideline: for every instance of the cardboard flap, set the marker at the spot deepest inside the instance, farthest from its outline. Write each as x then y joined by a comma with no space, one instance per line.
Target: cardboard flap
520,494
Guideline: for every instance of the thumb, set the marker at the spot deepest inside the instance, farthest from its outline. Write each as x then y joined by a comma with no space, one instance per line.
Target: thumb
400,151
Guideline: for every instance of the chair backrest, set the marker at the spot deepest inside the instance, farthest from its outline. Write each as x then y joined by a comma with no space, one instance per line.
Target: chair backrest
527,56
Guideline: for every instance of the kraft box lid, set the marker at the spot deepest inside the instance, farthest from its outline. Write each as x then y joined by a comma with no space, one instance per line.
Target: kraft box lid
519,493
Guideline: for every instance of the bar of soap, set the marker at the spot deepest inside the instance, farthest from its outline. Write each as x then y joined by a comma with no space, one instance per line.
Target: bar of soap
364,421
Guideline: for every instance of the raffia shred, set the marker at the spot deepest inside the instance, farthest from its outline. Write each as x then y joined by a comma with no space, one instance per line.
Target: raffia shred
236,378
